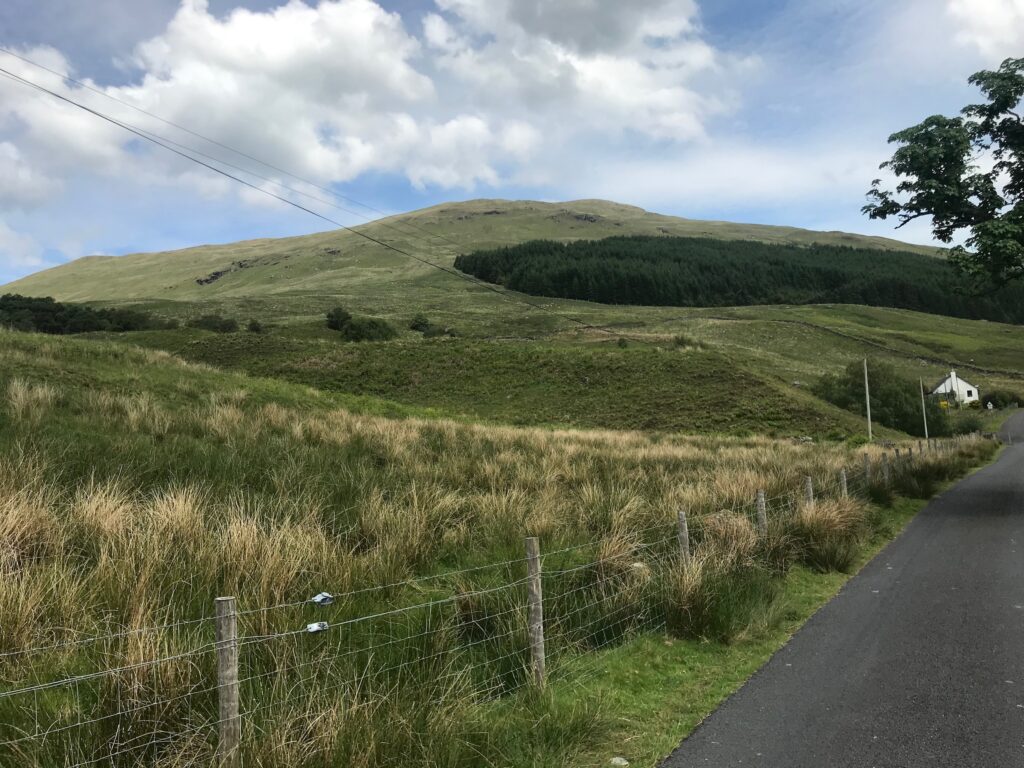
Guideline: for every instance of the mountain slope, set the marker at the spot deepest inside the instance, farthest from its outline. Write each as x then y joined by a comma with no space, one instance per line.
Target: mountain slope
332,261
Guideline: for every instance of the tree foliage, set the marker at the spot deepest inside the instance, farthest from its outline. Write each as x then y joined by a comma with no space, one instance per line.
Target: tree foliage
45,315
704,272
895,401
967,174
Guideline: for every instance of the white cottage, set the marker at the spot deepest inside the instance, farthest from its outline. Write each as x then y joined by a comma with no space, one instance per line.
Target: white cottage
954,389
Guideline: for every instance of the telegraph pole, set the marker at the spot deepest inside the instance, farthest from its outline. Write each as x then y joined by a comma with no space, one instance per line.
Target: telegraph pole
924,411
867,397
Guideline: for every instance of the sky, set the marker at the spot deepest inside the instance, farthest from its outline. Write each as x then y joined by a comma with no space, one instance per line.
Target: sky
775,111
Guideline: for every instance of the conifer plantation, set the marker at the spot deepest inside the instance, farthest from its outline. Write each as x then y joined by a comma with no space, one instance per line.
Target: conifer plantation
705,272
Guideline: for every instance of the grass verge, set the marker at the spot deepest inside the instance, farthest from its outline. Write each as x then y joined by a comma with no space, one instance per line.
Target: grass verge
655,690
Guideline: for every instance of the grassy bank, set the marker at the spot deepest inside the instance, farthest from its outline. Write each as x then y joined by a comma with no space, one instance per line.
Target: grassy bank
595,386
135,488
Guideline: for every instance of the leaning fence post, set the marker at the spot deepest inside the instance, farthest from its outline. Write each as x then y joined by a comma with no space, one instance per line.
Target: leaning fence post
683,535
536,615
230,723
843,488
809,486
886,470
762,513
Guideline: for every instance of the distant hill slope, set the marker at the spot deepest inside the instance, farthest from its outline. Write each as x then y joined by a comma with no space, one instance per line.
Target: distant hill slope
333,262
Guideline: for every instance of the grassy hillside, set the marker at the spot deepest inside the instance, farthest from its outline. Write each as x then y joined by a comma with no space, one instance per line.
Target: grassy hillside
135,488
759,360
337,262
670,388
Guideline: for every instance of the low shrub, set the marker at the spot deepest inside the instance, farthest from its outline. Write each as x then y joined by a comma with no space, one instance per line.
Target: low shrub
254,326
420,323
338,318
215,323
1001,398
966,423
368,329
359,328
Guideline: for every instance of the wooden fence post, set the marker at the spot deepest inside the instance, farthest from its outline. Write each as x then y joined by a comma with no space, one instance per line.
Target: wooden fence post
843,487
536,614
886,470
230,722
684,537
809,487
762,513
867,470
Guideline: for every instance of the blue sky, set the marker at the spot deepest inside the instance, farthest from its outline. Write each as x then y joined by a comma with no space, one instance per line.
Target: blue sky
772,112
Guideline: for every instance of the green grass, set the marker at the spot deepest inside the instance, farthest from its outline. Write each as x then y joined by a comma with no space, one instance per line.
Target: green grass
595,385
655,690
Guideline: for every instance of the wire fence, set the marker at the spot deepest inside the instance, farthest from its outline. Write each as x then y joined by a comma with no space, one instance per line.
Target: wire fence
190,691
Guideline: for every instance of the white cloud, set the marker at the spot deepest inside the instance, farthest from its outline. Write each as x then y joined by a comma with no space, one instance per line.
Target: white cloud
632,66
342,88
736,174
23,186
994,27
18,252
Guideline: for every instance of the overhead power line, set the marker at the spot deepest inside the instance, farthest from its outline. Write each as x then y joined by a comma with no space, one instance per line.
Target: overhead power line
185,153
239,153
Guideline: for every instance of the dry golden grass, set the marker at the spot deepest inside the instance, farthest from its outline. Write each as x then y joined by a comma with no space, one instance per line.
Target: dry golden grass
27,401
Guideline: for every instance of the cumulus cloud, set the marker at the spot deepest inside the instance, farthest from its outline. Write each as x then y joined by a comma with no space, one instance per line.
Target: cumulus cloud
994,27
23,186
631,66
342,88
18,251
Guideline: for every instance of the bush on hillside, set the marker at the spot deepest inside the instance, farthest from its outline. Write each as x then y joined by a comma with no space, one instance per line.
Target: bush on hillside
359,328
254,326
966,423
215,323
895,401
368,329
420,323
338,318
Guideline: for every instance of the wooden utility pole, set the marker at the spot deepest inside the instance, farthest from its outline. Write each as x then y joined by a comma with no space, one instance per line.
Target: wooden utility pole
924,411
536,614
867,397
230,722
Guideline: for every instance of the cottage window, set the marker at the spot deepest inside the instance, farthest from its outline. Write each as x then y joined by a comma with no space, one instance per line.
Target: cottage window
970,393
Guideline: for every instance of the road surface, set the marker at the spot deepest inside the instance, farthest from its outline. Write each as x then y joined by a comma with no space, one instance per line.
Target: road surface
919,661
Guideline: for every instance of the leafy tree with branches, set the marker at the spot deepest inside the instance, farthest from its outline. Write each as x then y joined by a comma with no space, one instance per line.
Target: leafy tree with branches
967,174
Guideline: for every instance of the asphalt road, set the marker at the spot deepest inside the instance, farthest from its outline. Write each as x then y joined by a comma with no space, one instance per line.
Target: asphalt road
919,661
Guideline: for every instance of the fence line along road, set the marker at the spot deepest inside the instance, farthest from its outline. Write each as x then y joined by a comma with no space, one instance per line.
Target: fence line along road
521,626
